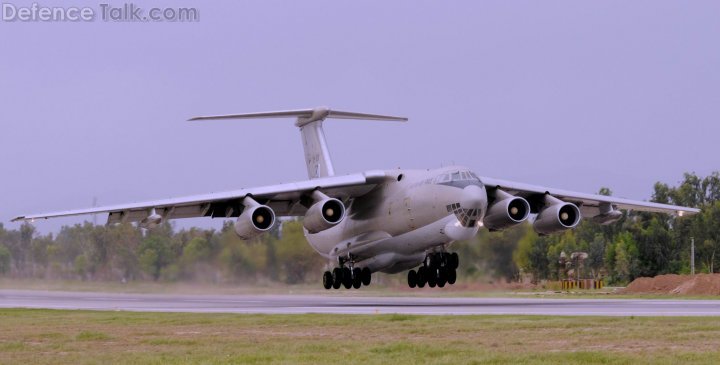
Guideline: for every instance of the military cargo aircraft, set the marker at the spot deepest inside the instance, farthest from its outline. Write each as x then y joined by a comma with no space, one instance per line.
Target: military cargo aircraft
382,220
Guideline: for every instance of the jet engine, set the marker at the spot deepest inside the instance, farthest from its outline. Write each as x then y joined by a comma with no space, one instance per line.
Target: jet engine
557,216
254,220
506,211
324,214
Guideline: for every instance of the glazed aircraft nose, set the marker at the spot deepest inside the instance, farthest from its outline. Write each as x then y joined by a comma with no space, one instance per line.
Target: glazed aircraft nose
473,197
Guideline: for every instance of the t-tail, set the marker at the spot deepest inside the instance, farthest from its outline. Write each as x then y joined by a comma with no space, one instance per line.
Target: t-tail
317,155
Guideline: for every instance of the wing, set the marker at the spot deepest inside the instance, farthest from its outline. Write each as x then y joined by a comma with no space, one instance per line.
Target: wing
589,204
284,199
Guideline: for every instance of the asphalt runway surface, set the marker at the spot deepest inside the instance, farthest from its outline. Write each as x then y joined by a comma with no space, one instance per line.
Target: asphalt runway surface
354,304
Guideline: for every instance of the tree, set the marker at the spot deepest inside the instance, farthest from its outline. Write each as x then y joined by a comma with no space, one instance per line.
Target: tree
625,260
296,256
532,256
5,259
155,254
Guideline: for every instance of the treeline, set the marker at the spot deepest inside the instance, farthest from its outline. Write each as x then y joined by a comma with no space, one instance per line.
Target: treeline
640,244
125,252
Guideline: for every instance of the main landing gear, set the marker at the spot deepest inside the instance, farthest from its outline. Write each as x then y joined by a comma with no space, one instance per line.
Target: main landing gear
439,268
347,277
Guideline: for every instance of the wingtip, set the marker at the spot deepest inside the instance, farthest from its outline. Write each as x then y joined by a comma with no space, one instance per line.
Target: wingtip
16,219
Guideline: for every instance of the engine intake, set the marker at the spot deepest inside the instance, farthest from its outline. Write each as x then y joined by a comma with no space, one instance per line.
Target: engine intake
506,211
324,214
557,216
254,220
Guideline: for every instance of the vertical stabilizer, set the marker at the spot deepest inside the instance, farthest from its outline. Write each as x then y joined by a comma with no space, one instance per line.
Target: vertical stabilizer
317,154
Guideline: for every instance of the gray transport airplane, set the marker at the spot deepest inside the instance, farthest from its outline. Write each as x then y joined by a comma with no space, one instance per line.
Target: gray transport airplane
383,220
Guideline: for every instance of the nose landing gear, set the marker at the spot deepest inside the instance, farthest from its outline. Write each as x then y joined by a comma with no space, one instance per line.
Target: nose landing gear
438,269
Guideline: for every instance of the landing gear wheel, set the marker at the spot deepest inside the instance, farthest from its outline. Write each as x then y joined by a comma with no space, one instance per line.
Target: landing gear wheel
452,276
347,280
441,277
454,260
421,277
412,278
366,276
431,277
357,279
327,280
337,278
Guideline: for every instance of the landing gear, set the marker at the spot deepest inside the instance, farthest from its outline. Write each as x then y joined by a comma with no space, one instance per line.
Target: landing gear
422,277
337,278
356,278
366,276
347,277
327,280
438,269
412,278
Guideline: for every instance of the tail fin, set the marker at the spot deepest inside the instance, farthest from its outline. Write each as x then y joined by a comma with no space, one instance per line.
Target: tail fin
317,155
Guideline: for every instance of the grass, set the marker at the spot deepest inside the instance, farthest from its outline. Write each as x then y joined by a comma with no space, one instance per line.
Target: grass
86,337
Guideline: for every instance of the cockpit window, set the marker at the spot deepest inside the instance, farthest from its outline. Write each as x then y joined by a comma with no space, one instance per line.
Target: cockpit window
463,176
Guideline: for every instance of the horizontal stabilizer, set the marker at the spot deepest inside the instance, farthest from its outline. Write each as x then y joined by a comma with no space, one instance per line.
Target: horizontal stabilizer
305,116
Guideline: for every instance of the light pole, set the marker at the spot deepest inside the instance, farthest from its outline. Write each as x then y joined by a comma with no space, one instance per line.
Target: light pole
692,255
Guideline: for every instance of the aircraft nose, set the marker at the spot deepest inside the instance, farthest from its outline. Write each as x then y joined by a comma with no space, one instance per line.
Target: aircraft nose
473,197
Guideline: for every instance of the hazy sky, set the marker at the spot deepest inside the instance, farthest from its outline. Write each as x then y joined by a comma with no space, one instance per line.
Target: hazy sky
574,95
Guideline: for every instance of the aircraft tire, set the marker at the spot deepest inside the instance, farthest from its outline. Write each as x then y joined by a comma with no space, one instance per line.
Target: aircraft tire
454,260
337,278
366,276
327,280
412,278
421,277
452,277
357,278
441,277
347,280
431,277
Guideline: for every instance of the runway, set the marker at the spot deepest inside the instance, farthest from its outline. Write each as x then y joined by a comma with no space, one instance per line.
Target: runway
339,304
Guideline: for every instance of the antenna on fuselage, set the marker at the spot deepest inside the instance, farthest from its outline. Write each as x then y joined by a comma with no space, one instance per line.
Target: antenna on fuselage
317,155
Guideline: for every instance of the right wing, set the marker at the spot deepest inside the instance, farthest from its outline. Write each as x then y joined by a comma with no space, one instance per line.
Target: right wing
590,204
284,199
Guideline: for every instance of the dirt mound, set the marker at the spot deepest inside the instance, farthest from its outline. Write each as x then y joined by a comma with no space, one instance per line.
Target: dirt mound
700,284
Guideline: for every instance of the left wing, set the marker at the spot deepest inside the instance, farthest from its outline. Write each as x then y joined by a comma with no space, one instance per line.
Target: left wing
590,205
283,199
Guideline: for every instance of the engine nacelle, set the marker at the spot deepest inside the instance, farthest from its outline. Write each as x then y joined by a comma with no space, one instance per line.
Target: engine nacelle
254,220
506,211
557,216
324,214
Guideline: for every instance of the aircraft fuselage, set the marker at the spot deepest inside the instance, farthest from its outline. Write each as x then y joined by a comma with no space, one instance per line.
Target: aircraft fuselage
392,227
